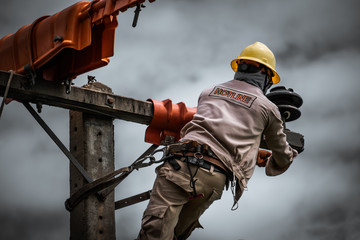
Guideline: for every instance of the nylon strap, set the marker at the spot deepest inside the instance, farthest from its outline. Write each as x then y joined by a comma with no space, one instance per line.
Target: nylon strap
132,200
107,182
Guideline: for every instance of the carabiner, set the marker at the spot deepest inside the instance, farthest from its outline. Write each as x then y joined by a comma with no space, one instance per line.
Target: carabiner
163,150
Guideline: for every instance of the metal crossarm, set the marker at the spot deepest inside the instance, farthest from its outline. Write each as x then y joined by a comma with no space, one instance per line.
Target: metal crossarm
79,99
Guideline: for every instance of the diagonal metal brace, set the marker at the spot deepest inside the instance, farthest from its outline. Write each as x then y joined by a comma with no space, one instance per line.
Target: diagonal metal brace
57,141
6,91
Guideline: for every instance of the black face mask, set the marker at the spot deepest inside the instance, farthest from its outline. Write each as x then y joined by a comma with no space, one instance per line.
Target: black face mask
251,74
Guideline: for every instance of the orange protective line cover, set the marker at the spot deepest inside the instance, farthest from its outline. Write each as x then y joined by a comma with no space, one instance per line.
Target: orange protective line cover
73,41
168,120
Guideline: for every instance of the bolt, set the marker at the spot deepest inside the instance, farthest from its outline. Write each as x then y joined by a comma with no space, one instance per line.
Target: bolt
39,106
110,100
58,39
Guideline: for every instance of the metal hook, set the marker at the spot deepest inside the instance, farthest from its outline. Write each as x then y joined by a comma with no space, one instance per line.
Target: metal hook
137,13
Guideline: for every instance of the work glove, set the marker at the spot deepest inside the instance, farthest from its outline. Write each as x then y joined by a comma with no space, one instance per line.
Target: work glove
263,157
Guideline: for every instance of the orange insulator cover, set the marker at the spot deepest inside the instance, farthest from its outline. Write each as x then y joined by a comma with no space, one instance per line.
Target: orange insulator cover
73,41
168,120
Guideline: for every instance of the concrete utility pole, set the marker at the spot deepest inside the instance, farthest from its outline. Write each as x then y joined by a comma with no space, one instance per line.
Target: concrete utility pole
92,144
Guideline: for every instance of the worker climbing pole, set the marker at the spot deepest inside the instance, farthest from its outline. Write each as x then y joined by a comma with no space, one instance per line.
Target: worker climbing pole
38,64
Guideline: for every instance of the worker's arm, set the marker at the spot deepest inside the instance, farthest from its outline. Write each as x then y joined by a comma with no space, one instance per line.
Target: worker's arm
282,154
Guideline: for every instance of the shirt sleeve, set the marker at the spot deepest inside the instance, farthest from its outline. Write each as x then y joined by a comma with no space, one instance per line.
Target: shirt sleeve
282,153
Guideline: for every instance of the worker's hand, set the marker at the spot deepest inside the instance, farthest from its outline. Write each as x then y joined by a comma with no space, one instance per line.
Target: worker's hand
263,157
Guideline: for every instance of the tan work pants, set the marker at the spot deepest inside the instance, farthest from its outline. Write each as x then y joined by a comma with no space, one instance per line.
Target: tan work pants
170,215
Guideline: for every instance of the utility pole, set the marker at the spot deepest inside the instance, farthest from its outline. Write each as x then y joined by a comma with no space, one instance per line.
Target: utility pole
92,144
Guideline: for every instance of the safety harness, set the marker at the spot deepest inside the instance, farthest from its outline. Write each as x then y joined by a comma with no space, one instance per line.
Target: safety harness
199,155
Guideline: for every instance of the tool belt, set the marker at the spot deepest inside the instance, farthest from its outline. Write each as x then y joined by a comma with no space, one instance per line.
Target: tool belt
198,154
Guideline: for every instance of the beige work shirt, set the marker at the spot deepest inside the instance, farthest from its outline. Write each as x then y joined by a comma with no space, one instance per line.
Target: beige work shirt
231,118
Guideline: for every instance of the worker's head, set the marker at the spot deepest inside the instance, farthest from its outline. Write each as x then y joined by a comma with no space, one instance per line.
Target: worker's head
257,54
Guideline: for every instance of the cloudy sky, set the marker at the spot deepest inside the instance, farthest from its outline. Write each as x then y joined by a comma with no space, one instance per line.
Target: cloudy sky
178,49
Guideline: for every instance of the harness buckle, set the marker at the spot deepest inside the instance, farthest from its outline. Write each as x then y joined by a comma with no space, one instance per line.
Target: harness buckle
198,155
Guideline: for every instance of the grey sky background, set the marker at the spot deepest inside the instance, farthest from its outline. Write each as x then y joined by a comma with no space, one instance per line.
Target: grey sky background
178,49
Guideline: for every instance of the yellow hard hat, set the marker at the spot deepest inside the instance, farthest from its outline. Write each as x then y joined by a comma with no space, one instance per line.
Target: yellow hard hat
260,53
